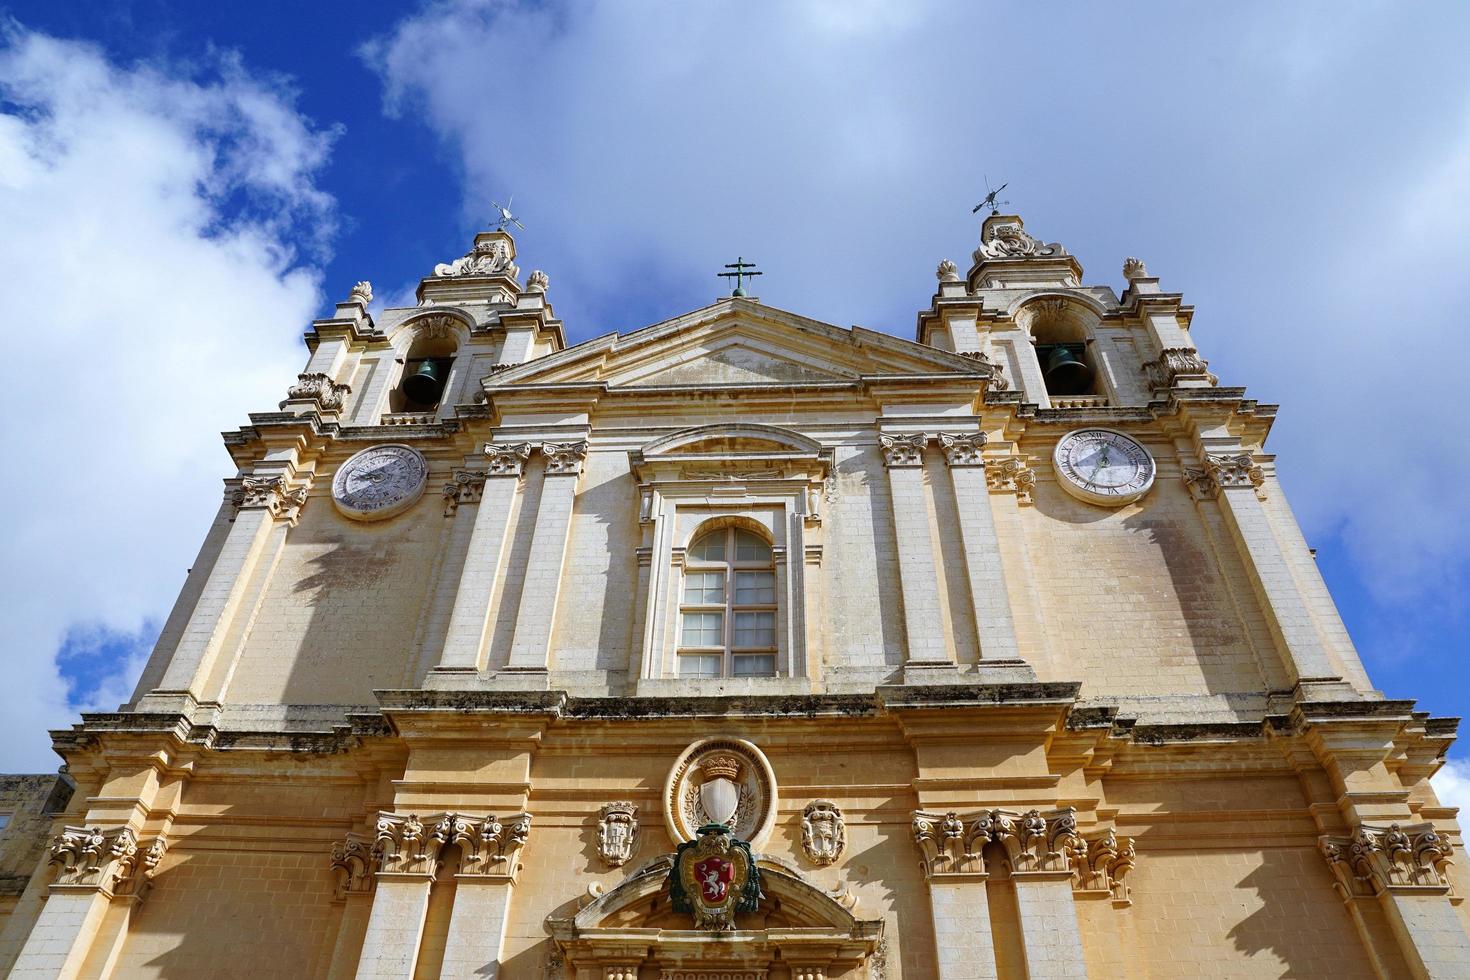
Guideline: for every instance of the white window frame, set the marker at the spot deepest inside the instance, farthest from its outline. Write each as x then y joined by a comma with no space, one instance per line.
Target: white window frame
729,607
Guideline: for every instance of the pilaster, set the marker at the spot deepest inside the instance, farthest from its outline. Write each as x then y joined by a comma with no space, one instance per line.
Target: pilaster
989,595
464,641
530,650
261,504
1233,480
903,457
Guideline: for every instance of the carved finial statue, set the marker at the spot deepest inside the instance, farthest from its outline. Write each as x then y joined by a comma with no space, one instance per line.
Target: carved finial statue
539,282
1134,269
948,271
361,293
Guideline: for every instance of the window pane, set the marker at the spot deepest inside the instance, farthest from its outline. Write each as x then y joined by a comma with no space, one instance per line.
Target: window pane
702,665
760,666
755,629
701,588
749,547
703,629
755,588
709,546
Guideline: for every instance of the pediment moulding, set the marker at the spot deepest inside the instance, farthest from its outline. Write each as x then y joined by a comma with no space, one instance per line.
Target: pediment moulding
732,452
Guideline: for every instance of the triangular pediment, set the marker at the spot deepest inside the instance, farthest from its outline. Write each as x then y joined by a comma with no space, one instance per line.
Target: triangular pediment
732,343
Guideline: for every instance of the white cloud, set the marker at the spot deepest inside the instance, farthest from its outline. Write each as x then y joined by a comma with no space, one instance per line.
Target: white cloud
1306,206
1452,785
151,294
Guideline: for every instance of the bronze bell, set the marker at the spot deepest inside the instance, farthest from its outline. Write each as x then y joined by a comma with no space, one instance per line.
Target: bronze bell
424,386
1066,374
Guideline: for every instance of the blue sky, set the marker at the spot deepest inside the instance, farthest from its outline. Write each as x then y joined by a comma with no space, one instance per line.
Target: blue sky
183,184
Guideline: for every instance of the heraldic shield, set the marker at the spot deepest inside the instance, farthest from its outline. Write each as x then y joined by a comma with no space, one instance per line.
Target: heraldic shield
714,877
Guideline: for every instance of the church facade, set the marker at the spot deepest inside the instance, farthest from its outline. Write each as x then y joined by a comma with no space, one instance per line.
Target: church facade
744,646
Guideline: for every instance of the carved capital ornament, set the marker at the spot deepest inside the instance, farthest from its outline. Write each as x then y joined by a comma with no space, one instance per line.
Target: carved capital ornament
903,452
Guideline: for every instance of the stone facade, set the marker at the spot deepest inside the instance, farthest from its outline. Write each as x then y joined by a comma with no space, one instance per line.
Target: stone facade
460,680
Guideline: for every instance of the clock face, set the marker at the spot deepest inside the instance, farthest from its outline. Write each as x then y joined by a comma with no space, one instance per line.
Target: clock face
1104,467
380,482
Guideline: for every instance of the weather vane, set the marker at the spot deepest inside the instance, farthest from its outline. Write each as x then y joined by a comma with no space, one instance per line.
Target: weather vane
990,201
742,272
505,217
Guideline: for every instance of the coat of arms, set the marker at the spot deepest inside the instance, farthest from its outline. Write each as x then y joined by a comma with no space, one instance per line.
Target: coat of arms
714,877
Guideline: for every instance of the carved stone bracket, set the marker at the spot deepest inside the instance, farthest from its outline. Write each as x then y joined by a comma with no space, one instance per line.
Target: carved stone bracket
1376,859
823,832
1108,860
1010,474
355,862
507,459
564,458
410,845
109,861
997,372
903,451
962,450
1174,362
1231,471
271,493
617,833
1035,841
320,388
468,487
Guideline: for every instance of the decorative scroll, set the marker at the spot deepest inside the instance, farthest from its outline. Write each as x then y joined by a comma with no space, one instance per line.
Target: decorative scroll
1174,362
355,863
564,458
320,388
1224,472
1009,240
487,258
962,450
997,373
1393,858
271,493
468,487
1011,475
903,451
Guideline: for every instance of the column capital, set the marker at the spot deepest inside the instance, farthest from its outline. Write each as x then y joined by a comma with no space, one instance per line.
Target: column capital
467,487
1010,474
108,861
1227,471
269,493
410,845
355,862
962,450
1376,859
1038,842
564,458
507,459
903,451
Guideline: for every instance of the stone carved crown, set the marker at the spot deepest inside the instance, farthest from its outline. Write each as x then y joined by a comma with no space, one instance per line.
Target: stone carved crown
721,767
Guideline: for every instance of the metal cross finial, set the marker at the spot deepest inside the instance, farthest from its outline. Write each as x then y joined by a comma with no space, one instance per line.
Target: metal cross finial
990,199
742,272
504,217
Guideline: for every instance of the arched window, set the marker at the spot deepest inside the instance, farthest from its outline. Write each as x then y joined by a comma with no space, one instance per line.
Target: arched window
727,611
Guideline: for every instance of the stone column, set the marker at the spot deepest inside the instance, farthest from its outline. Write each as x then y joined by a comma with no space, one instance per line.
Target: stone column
356,865
96,868
1233,480
918,577
408,850
487,872
464,642
958,904
530,651
1404,869
994,623
260,502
